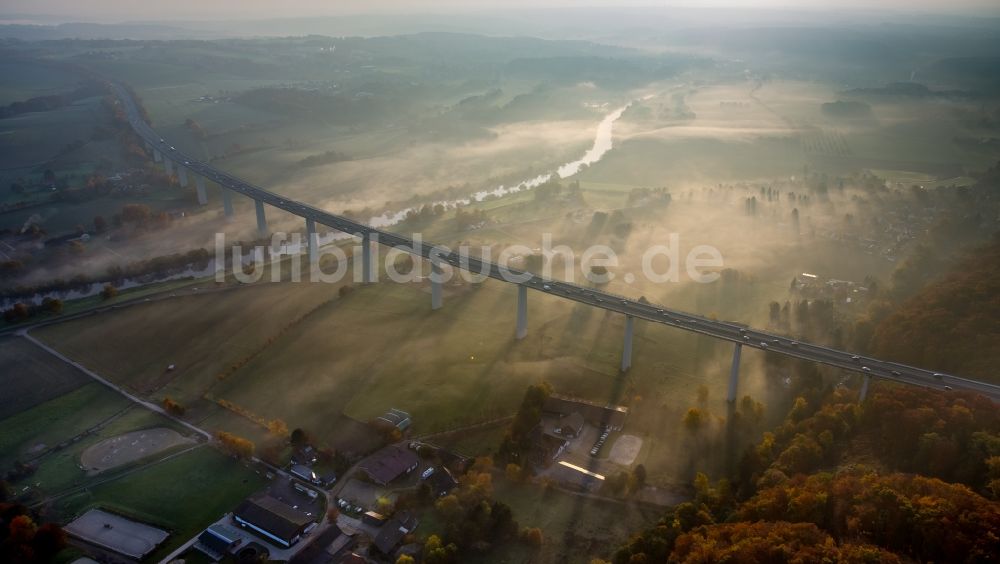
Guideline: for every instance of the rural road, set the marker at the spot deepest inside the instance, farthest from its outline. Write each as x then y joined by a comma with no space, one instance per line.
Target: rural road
148,405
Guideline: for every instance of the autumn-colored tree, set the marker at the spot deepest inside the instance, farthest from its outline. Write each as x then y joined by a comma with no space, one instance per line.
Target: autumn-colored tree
891,511
49,540
109,292
235,445
53,305
513,472
17,312
967,302
172,407
138,214
533,537
23,541
800,410
770,542
277,427
694,419
22,529
436,552
517,440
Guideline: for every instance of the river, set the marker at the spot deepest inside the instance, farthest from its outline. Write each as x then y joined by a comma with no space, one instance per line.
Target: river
603,142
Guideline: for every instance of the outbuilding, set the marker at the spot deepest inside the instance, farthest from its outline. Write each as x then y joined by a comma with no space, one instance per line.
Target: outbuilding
272,520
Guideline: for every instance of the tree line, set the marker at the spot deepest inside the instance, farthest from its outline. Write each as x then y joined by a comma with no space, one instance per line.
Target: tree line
912,474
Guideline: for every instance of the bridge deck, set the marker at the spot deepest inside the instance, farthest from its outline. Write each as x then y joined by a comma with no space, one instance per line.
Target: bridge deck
593,297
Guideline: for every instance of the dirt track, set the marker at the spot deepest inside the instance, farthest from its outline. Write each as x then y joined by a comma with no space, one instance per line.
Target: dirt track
127,448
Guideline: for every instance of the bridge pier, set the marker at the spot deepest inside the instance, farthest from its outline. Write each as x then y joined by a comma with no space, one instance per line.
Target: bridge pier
368,272
436,276
199,184
157,157
313,240
261,220
734,373
522,312
182,176
864,388
227,201
168,165
627,345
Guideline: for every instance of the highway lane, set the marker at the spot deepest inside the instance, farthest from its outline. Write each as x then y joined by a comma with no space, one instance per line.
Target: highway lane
728,331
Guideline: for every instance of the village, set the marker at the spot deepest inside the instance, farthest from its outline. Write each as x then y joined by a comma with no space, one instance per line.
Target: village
309,515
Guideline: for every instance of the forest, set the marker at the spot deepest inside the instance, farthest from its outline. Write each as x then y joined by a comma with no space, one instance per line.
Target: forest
951,325
909,475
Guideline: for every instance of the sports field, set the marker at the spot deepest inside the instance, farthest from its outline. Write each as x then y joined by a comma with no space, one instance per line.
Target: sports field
183,494
116,533
129,447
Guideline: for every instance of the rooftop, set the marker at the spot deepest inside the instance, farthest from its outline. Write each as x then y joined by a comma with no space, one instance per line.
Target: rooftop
595,414
397,418
394,531
389,463
273,516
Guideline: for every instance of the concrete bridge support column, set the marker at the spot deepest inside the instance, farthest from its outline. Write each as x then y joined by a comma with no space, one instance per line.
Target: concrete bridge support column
437,274
313,239
227,201
168,165
149,146
199,184
157,157
864,388
367,268
734,373
522,312
182,176
261,220
627,345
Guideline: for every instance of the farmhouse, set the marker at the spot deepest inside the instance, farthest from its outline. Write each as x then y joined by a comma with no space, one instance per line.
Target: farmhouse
272,520
570,426
393,532
304,473
389,463
441,482
612,416
546,447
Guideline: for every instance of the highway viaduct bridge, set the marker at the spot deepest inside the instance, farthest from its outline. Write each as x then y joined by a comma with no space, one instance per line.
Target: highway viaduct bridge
176,162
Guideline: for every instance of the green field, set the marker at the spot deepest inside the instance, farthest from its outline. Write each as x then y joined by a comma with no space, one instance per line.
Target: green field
31,139
183,494
479,442
20,80
30,376
215,335
381,346
56,421
52,435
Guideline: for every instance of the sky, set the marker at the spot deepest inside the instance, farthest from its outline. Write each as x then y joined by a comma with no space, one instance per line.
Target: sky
149,10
